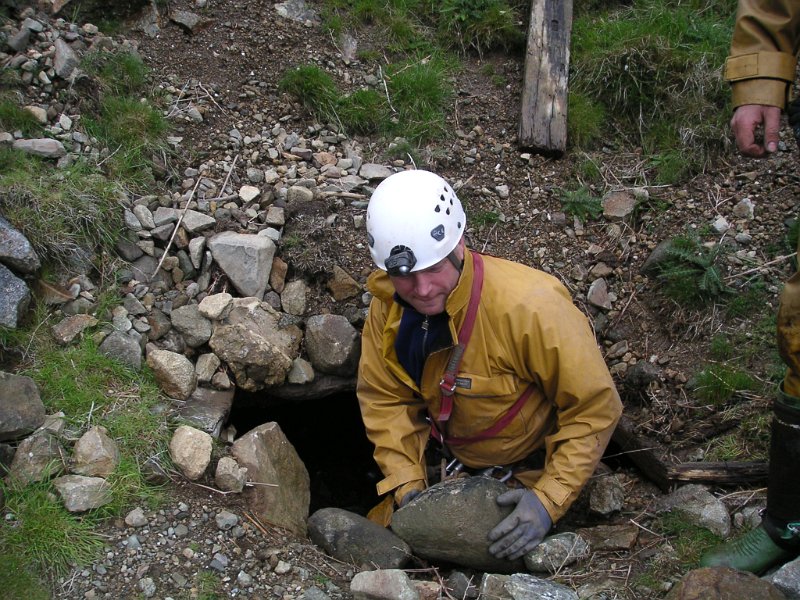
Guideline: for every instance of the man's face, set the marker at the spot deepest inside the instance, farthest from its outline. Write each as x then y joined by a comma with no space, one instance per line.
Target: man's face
427,290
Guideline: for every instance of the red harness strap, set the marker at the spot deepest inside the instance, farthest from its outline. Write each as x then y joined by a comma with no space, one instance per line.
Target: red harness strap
448,384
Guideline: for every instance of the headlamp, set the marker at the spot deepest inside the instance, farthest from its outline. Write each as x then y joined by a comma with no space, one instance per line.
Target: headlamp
400,261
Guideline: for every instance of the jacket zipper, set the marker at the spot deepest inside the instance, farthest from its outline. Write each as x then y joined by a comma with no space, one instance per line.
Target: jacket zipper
425,335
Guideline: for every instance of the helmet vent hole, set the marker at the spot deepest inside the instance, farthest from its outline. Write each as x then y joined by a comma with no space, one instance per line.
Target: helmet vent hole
437,209
441,197
447,212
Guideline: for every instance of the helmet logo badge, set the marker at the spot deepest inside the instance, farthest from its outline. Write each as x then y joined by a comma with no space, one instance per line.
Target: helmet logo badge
437,233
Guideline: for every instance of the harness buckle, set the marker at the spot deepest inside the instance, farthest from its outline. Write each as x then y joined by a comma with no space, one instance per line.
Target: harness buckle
447,387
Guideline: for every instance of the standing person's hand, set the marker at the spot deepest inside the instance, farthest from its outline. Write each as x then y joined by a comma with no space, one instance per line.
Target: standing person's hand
522,530
746,119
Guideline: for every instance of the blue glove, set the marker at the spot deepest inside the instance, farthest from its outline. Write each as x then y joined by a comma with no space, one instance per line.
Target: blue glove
408,497
522,530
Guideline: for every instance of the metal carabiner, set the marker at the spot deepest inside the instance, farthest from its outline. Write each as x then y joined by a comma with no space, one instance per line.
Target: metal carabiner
453,467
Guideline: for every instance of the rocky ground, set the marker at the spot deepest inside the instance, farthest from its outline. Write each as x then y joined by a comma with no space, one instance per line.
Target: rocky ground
221,76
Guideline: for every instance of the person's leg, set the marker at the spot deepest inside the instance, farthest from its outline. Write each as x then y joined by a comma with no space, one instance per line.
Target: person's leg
777,539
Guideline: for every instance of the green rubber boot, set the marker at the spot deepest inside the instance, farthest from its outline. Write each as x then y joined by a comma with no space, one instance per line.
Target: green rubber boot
754,552
777,539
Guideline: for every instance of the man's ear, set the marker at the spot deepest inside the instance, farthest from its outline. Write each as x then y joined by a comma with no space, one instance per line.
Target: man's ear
461,248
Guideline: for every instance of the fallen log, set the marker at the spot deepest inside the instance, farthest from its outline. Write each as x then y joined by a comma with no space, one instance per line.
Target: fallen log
667,476
720,473
543,122
640,454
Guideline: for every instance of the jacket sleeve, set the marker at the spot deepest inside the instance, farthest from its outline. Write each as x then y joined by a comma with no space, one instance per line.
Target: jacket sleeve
393,417
764,47
563,356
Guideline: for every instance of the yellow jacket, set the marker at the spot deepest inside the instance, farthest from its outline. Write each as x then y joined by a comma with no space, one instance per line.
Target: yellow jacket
527,330
764,48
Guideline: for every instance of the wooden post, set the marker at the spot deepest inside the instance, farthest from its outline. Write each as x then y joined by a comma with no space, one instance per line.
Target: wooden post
543,122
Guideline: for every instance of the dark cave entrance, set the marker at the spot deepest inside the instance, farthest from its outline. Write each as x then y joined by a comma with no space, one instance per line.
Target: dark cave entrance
329,438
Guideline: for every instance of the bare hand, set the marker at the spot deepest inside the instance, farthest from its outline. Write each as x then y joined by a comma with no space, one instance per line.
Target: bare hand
746,120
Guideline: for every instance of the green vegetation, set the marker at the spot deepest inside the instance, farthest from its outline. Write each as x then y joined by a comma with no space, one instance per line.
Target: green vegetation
581,203
61,211
718,383
119,74
415,93
15,118
133,131
682,546
748,441
690,541
689,274
480,24
41,535
414,106
89,389
653,68
586,121
485,217
125,123
207,584
73,213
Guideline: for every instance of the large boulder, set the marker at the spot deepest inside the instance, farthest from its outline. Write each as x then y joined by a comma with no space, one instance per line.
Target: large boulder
279,490
14,298
245,258
21,407
333,344
257,346
355,539
451,521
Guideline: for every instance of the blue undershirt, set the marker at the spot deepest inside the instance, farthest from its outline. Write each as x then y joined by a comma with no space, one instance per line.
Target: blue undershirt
418,336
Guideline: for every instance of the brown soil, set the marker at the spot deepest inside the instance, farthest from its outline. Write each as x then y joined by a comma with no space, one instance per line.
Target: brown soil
239,58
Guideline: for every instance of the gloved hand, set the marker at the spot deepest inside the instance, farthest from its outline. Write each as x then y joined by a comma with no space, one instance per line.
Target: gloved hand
408,497
522,530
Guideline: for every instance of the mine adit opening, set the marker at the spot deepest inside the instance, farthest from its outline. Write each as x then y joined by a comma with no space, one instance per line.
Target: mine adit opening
329,437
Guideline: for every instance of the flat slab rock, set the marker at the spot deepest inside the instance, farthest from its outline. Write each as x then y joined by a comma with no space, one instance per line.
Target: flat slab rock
450,522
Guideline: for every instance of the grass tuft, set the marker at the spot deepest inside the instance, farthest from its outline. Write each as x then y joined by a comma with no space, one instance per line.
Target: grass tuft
133,131
40,532
119,73
480,25
655,66
15,118
363,111
587,118
62,213
313,87
419,91
718,383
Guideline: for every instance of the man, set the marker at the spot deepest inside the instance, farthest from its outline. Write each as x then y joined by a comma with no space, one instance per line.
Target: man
761,69
492,353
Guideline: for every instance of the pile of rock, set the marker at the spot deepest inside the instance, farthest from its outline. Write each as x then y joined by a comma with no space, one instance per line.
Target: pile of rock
206,301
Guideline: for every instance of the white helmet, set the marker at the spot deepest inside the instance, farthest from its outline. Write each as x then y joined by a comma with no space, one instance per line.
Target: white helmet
414,220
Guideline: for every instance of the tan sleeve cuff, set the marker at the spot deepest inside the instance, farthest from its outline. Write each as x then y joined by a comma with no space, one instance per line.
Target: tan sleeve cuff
400,492
554,496
761,65
399,477
769,92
